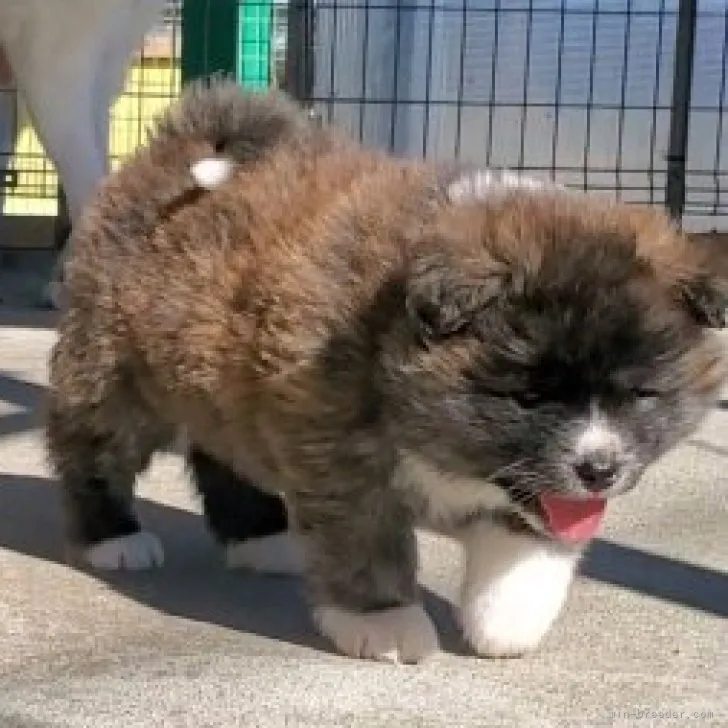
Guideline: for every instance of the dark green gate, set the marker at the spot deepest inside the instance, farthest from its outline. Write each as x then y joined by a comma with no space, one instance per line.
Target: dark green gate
243,38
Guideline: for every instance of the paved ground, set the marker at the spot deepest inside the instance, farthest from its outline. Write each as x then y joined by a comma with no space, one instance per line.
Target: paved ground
193,645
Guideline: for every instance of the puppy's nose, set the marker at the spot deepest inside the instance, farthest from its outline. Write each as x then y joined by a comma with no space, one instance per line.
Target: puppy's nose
597,473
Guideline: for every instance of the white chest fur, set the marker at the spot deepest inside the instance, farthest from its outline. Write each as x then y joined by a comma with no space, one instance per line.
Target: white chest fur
442,498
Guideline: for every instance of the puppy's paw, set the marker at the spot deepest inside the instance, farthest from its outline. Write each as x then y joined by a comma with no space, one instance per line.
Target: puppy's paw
280,553
506,627
514,589
399,635
140,550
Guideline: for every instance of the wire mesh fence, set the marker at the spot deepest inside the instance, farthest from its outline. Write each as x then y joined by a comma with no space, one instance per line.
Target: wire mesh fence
586,92
707,155
153,81
262,42
29,180
580,91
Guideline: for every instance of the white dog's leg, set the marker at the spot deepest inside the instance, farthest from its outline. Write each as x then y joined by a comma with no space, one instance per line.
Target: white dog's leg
69,66
515,586
57,94
54,69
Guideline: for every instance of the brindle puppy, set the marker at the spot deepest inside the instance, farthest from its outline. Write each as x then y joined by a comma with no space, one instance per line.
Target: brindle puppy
385,344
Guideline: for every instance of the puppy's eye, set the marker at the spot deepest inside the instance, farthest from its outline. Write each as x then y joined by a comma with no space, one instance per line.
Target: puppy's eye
528,398
645,392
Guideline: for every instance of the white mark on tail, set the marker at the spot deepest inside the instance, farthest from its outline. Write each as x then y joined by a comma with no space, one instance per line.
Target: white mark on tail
212,172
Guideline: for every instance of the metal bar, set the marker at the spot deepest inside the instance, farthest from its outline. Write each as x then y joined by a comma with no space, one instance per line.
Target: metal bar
680,112
299,50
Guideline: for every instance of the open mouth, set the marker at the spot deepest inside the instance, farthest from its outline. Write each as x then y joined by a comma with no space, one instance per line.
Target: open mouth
571,519
568,518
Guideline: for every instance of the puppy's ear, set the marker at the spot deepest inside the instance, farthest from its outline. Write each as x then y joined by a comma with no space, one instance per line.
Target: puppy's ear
706,298
443,298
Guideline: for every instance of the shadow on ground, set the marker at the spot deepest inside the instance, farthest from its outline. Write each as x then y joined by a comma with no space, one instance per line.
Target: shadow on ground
194,585
26,396
28,318
658,576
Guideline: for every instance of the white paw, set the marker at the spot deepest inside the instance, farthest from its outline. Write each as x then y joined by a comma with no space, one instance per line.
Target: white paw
140,550
400,635
278,554
514,588
212,172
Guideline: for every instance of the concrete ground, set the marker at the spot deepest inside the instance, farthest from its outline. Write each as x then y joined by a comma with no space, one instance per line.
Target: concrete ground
644,641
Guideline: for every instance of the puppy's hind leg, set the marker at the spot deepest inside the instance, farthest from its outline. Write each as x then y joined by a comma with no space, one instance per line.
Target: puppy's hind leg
99,437
97,471
250,524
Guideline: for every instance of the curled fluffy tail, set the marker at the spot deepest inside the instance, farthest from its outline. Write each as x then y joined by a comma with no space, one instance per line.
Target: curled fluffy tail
212,129
233,126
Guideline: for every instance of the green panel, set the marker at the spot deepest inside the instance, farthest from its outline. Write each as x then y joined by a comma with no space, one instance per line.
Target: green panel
254,41
209,37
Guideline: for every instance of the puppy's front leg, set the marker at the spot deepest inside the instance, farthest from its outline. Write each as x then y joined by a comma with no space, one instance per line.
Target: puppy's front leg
515,586
362,560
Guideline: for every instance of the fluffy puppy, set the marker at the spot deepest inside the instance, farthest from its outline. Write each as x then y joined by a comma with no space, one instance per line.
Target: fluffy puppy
383,344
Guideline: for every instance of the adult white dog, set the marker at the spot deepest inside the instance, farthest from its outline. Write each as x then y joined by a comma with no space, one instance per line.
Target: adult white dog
69,59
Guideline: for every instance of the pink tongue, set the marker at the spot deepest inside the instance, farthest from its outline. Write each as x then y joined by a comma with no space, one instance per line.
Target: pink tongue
573,520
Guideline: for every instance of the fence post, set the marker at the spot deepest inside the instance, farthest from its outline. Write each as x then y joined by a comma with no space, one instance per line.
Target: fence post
680,112
298,75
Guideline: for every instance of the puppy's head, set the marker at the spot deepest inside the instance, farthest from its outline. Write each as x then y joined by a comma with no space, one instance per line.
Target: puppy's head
557,345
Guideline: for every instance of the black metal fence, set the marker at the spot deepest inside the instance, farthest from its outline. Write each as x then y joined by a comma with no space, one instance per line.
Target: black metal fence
620,96
625,97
